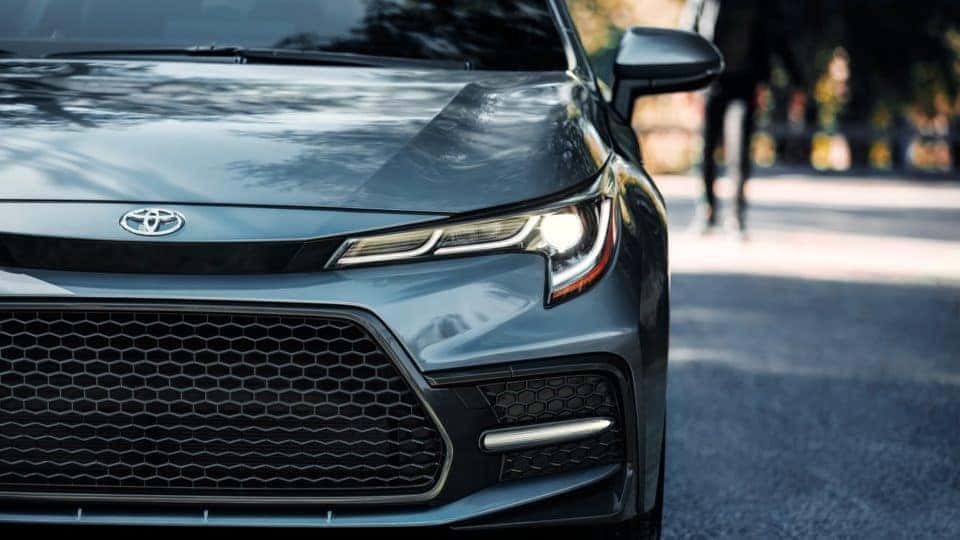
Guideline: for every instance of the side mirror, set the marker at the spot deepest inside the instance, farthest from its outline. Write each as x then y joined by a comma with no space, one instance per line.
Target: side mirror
659,61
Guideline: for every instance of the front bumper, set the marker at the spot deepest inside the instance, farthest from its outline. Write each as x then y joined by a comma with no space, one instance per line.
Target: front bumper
473,511
451,324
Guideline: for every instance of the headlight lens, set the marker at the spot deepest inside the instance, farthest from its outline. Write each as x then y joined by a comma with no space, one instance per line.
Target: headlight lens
578,255
562,232
577,240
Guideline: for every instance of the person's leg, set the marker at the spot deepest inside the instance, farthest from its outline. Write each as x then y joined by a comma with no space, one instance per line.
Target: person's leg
712,131
738,132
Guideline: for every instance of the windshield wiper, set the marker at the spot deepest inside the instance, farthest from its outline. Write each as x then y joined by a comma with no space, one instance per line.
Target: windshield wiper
272,56
7,53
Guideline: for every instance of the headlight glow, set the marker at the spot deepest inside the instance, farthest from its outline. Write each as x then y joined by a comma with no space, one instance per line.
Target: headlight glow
577,239
562,232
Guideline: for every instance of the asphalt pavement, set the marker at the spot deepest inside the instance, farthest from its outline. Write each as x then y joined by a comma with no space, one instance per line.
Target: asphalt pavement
814,385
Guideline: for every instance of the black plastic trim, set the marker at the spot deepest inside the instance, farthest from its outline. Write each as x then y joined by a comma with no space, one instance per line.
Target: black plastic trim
145,257
603,363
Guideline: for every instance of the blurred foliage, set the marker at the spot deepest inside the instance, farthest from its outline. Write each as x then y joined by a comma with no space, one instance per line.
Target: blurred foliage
885,78
602,22
903,54
832,89
668,126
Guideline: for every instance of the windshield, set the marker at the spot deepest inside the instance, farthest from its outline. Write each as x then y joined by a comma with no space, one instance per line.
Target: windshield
487,34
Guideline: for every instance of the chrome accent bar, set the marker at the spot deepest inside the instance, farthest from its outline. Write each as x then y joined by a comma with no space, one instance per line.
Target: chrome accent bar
521,438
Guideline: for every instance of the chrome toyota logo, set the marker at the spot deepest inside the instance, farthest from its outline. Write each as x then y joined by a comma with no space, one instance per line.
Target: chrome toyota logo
152,221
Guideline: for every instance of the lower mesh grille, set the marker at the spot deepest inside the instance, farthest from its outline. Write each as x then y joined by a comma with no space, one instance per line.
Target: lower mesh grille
549,399
604,448
193,402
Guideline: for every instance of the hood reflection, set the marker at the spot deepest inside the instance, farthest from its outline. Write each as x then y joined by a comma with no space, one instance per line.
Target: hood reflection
405,140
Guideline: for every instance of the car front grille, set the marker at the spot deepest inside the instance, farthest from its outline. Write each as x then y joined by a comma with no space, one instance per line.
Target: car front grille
206,402
549,399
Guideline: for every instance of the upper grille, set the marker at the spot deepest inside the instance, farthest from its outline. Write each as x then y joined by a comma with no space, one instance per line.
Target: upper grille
130,401
549,399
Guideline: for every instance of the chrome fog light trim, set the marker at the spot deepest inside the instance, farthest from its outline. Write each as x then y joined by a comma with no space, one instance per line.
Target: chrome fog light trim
520,438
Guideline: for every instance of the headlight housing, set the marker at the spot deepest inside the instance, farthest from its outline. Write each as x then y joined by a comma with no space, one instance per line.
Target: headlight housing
577,237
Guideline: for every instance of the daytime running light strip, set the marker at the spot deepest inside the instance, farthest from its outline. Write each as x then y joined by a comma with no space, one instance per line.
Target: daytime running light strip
499,244
422,250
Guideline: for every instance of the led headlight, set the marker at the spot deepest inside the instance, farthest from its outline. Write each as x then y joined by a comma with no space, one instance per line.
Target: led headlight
577,239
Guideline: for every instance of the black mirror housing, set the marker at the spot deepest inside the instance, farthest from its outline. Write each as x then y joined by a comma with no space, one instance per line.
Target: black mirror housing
659,61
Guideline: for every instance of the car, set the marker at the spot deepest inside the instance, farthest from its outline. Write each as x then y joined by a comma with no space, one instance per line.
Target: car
330,263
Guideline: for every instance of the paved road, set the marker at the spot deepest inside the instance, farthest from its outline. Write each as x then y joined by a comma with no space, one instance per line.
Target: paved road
815,369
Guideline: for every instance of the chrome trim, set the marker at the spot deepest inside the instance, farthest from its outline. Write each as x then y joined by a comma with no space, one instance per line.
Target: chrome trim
521,438
151,221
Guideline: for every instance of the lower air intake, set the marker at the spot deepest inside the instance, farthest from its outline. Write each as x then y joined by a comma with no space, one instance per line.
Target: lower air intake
549,399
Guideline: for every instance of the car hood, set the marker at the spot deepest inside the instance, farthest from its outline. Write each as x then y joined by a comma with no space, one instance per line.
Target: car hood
296,136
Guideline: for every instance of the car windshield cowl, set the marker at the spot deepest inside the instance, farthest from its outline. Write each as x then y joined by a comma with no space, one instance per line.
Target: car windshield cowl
269,55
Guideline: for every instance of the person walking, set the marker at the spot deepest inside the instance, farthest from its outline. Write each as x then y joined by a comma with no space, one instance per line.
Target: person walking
748,33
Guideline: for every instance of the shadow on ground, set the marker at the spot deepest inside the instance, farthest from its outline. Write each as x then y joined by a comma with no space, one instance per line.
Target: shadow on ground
806,408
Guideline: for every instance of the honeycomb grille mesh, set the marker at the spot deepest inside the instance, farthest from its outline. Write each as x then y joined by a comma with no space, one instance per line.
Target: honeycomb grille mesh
179,402
549,399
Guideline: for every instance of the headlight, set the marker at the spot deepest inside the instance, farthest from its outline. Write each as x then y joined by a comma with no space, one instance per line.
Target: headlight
577,239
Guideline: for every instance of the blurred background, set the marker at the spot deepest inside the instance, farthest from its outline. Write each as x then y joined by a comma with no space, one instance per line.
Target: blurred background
814,384
883,75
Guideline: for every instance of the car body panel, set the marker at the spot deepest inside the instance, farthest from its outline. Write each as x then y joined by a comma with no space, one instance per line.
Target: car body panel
451,314
459,313
478,505
329,137
321,152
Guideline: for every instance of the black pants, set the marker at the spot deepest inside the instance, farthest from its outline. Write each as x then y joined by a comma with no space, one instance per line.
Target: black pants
729,114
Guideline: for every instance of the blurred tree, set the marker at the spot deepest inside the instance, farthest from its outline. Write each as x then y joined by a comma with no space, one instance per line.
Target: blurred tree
903,62
601,24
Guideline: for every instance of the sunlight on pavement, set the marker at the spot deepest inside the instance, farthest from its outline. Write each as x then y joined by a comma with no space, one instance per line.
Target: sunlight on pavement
816,275
816,248
806,190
